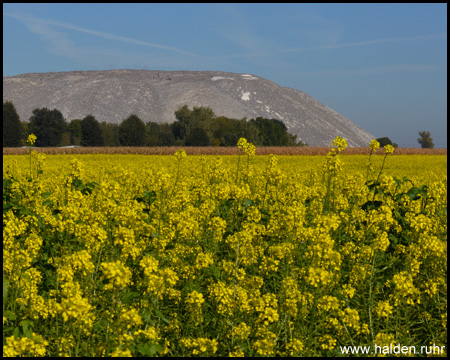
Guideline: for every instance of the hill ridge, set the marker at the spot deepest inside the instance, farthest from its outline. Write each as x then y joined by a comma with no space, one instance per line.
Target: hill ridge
154,95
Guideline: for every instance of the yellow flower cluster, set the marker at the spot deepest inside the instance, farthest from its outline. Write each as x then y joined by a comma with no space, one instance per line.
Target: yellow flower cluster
241,332
179,154
200,345
374,145
384,309
31,139
248,148
107,255
340,143
24,346
117,274
130,318
388,149
265,344
194,303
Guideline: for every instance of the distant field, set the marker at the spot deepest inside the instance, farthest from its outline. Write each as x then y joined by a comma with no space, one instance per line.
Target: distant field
216,150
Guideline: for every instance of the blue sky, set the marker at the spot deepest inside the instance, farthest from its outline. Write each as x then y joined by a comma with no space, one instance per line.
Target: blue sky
383,66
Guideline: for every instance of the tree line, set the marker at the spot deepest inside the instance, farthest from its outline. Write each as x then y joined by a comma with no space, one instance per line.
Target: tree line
196,127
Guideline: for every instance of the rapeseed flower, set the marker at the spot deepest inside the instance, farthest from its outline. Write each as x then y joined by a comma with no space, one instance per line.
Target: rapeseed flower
200,345
32,346
179,154
327,342
374,145
384,309
117,274
340,143
31,139
388,149
250,267
130,318
294,347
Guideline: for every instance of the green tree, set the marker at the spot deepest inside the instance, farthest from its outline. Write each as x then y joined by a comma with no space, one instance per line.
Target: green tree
65,139
187,120
132,132
201,117
273,132
110,134
12,131
48,126
425,140
225,131
24,132
151,133
384,141
91,133
197,137
250,131
74,129
181,126
165,136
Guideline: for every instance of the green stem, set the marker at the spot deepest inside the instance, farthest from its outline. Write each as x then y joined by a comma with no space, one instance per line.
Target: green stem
368,167
248,163
31,176
234,293
370,296
237,170
327,197
378,178
348,332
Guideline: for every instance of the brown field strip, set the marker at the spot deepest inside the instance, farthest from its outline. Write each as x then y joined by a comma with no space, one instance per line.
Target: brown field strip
216,150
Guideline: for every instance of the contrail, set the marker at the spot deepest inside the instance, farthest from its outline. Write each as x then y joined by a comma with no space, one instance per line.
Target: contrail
368,42
26,18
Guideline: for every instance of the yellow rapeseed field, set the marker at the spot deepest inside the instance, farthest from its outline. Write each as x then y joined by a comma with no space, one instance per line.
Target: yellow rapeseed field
146,255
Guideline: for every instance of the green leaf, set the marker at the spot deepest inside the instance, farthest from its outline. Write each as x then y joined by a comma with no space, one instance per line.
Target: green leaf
93,184
130,297
147,316
25,211
148,349
47,202
149,196
10,315
78,184
26,277
86,190
370,205
46,194
100,325
414,193
393,239
16,332
216,273
26,327
24,323
247,203
5,289
372,184
161,316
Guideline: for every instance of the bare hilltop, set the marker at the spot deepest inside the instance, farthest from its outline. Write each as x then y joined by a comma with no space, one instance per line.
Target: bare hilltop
113,95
